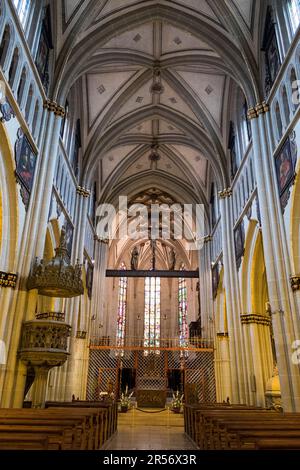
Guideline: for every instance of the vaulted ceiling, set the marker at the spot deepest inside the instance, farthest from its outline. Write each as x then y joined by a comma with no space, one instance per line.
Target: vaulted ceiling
192,51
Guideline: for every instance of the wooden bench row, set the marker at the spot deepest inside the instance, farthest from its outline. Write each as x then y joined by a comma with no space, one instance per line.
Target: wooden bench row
241,427
111,415
83,426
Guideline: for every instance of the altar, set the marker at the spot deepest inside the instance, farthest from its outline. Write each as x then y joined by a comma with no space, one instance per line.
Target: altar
151,377
151,398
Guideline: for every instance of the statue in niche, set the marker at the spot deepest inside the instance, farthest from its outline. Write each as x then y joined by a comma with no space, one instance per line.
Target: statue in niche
62,241
134,258
172,260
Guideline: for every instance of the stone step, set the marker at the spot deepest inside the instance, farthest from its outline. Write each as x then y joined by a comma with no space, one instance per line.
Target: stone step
150,417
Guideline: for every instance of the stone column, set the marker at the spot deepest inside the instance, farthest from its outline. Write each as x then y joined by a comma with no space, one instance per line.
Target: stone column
99,294
23,304
39,386
205,289
285,323
222,366
78,335
236,341
256,331
295,285
208,288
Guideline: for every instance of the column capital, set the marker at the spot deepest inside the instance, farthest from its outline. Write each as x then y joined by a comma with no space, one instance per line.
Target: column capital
105,241
81,334
60,111
223,334
227,192
251,114
259,108
52,106
257,318
262,108
49,105
295,282
83,191
207,239
8,279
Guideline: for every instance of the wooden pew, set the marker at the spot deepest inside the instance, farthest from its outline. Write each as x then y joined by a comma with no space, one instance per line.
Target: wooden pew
59,437
240,427
79,423
19,441
112,409
108,417
75,426
280,444
228,433
193,416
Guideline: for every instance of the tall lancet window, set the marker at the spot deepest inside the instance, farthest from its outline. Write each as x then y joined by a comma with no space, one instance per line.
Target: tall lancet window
294,14
122,304
182,311
152,313
23,9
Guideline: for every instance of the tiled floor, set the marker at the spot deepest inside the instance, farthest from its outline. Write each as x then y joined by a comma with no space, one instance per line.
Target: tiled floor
139,431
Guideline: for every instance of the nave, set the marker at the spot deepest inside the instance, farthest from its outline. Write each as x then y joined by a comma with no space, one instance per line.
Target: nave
149,224
150,430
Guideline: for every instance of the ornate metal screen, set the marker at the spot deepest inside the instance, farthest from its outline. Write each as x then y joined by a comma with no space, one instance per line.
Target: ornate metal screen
196,367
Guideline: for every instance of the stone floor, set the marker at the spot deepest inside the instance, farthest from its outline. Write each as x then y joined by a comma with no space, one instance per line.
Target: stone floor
139,430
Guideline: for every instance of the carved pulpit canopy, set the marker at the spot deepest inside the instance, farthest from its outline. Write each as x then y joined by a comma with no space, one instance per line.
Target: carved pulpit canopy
57,277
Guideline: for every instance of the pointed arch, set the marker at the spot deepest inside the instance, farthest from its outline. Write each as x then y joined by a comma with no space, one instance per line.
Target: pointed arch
9,208
295,224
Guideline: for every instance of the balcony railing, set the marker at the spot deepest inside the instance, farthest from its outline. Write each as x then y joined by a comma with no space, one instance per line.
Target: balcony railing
107,342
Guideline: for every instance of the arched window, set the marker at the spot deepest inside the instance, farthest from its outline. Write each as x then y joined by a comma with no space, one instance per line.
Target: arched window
13,67
251,175
213,205
21,86
23,9
35,119
152,313
28,102
243,191
246,184
122,304
294,14
64,120
271,50
295,89
4,45
182,311
278,120
245,125
286,106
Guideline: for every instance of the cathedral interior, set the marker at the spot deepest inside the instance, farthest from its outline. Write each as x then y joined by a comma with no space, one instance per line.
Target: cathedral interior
149,224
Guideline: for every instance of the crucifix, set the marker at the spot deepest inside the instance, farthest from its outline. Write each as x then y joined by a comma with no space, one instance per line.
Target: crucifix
152,272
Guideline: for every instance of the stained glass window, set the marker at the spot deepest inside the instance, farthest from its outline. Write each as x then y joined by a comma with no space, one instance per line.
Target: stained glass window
23,8
152,313
182,312
122,309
